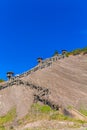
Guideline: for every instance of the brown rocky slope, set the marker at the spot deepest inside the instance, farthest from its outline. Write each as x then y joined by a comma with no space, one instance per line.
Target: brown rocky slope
66,80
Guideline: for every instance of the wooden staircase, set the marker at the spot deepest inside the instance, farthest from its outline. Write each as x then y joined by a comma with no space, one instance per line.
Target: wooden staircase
42,94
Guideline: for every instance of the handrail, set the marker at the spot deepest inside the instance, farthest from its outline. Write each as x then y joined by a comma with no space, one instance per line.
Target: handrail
45,63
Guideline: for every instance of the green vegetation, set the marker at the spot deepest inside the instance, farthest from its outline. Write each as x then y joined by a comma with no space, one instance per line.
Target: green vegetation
84,50
40,129
41,108
74,52
58,116
9,117
2,80
2,128
44,112
37,112
55,53
69,107
1,87
77,52
83,111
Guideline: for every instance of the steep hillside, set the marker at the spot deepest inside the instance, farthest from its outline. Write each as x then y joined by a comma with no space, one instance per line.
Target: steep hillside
18,97
66,80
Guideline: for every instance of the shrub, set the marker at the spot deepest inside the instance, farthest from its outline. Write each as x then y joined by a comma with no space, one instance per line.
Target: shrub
76,52
55,53
84,50
2,128
41,108
83,111
0,87
1,80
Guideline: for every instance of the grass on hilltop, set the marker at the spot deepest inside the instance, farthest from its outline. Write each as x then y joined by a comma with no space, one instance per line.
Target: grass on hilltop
77,52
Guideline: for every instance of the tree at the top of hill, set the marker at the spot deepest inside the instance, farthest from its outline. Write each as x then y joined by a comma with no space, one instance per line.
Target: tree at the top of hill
84,50
56,53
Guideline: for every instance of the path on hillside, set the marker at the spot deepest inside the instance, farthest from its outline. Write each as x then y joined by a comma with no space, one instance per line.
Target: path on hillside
42,94
51,125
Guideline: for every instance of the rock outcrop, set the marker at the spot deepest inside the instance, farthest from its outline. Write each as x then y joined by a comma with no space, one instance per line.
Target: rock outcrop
64,83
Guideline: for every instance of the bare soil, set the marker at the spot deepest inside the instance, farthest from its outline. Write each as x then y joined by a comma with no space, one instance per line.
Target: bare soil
66,79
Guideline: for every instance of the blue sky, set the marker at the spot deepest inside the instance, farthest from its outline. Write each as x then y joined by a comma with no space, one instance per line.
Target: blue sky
36,28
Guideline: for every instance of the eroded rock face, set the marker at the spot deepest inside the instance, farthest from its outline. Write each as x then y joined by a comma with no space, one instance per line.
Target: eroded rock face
66,80
19,97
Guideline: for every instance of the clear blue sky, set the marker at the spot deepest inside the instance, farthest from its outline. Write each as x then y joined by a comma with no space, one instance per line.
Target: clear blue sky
36,28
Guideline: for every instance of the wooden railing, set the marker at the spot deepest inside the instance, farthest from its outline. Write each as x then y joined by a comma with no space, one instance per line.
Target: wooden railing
45,63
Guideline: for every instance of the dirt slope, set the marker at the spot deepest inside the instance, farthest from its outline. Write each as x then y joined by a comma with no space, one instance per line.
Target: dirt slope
66,79
18,97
